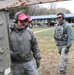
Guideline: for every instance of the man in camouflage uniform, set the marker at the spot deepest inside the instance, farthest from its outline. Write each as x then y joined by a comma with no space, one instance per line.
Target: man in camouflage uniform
63,36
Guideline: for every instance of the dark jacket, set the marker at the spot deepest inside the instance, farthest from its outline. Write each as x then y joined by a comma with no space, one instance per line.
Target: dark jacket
23,44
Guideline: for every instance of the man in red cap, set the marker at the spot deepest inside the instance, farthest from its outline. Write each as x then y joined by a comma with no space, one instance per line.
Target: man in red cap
23,46
29,22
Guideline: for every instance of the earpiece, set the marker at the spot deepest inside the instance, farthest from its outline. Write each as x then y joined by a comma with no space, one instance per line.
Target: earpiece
16,17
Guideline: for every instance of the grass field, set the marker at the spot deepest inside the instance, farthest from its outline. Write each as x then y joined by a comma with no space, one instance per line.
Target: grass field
50,57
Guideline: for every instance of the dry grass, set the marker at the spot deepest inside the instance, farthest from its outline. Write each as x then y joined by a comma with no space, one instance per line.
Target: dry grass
50,57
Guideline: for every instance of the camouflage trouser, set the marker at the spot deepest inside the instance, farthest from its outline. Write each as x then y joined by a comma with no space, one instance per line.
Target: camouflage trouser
27,68
63,59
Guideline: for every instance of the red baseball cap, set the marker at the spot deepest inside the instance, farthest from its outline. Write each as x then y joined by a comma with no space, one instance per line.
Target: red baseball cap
22,16
29,19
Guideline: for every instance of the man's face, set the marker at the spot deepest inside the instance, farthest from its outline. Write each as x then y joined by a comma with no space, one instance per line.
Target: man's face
59,18
22,23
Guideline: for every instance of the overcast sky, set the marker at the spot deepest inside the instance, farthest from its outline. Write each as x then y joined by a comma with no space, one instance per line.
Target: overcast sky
64,4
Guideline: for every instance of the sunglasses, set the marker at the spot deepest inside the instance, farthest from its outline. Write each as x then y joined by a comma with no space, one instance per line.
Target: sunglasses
22,21
59,17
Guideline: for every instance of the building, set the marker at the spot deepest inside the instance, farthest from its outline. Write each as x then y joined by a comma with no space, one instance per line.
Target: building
50,20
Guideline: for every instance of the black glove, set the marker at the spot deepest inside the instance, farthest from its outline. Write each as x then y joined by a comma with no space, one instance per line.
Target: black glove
66,50
15,56
38,63
59,50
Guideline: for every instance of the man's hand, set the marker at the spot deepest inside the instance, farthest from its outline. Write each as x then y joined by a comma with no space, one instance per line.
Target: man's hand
38,63
66,50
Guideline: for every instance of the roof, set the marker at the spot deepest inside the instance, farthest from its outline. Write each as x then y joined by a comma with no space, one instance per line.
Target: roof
51,16
4,4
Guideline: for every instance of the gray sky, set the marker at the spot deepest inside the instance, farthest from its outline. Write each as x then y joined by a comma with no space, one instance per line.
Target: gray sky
64,4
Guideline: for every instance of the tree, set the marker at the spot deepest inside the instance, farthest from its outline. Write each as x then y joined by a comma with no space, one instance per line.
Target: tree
52,7
38,10
66,11
12,11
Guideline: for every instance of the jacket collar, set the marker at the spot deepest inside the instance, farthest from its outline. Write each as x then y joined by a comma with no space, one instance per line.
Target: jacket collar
61,23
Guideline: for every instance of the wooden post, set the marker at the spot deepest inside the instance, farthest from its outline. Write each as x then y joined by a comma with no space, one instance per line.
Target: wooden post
4,42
